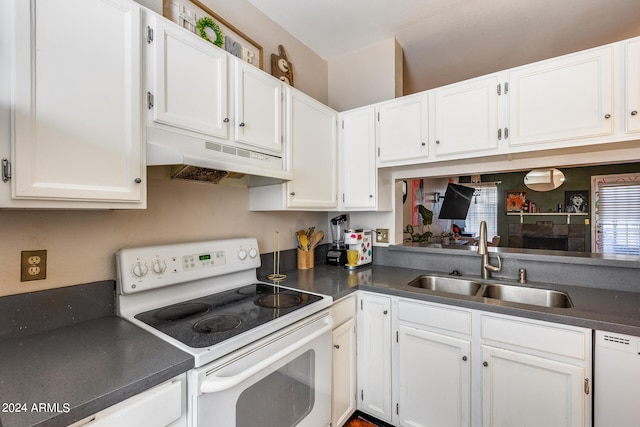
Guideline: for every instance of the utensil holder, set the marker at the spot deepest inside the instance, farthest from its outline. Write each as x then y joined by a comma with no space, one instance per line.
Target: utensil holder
305,259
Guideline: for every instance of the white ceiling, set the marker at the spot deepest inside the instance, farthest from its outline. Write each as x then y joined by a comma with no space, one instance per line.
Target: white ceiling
450,40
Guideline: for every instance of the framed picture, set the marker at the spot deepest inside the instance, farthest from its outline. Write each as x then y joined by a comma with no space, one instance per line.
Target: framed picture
514,200
201,20
576,201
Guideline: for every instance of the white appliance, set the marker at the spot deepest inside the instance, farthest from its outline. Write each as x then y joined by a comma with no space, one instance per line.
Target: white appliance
616,380
262,352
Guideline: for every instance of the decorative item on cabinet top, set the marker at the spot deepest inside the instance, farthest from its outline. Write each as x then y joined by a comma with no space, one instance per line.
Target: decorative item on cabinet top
200,19
281,67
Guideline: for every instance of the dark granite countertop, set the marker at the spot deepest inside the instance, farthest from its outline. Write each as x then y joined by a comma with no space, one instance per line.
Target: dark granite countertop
80,369
610,310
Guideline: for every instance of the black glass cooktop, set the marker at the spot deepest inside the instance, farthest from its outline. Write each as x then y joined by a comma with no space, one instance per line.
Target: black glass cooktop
206,321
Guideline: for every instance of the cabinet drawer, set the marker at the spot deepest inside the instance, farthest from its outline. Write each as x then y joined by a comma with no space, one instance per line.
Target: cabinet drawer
436,316
541,336
344,309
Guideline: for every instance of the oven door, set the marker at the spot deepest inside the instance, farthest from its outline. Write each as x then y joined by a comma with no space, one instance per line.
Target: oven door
283,380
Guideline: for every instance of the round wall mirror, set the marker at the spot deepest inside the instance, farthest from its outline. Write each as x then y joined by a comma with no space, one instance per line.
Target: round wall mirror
544,179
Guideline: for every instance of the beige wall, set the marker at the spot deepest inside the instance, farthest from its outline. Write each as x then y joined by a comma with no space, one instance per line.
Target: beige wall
81,244
309,70
371,75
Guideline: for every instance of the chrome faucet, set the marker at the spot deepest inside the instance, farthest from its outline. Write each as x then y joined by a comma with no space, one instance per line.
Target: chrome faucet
487,268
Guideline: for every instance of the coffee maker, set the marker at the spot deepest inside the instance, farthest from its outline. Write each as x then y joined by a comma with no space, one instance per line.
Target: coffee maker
337,254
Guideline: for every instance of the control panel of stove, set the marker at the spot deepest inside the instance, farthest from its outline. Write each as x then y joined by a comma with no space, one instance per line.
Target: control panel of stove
151,267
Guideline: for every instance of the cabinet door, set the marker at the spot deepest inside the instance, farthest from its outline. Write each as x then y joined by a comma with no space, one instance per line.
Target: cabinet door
632,81
529,391
402,130
357,159
258,108
313,133
564,99
189,81
344,373
434,379
77,104
466,117
374,356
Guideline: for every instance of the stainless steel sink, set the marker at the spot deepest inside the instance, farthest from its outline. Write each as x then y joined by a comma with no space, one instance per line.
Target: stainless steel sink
446,284
525,295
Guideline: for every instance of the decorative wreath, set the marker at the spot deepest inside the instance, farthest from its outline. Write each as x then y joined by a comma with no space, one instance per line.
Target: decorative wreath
203,23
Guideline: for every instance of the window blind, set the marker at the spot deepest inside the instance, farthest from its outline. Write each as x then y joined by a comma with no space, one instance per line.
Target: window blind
484,207
618,225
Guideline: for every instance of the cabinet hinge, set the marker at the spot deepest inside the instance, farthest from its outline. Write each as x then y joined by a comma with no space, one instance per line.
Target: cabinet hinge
149,100
506,88
506,133
6,170
378,151
499,89
149,35
397,336
587,389
361,305
342,124
397,409
378,115
362,394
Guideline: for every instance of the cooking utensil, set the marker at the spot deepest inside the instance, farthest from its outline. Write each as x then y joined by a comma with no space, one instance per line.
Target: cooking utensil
317,238
304,242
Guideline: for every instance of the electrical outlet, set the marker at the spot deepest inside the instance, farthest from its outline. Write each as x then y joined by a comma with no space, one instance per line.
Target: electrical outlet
382,235
33,265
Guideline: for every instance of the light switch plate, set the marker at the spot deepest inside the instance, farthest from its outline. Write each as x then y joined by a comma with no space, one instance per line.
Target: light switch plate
382,235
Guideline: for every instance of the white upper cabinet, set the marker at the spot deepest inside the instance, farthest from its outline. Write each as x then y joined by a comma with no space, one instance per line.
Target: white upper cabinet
187,80
313,142
403,130
569,98
258,108
358,173
466,117
632,84
198,89
311,148
76,139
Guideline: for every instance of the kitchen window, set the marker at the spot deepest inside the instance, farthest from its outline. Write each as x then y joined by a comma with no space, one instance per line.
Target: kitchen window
484,207
617,214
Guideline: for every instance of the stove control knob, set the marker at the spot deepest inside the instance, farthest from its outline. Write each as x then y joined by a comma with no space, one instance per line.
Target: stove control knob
253,252
242,254
139,270
159,267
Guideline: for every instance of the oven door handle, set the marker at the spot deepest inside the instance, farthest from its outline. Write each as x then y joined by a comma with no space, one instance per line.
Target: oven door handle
214,384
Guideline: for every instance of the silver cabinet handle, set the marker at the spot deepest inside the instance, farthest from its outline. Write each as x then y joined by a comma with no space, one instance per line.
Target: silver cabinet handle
464,358
437,141
137,180
336,346
226,120
241,125
607,116
485,364
634,112
423,143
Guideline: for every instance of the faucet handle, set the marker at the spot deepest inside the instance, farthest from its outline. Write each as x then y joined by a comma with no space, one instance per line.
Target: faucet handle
494,268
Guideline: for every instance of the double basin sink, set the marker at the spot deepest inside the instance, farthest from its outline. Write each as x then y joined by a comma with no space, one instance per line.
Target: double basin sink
511,293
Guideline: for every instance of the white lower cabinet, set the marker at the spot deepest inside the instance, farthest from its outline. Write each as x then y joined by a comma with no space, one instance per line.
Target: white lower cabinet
460,367
162,405
443,363
374,355
343,390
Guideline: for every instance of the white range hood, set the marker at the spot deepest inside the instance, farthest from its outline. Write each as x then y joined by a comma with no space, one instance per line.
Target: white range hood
201,160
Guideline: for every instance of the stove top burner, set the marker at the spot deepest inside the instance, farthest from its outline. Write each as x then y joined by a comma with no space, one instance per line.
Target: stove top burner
209,320
180,311
218,323
279,300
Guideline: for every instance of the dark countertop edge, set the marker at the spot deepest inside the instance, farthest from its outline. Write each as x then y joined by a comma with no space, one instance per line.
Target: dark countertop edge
179,363
560,257
589,317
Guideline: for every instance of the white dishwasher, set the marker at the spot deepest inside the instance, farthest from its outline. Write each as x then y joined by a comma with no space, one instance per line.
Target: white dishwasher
616,380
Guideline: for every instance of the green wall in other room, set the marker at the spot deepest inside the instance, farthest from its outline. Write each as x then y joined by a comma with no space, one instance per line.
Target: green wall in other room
576,179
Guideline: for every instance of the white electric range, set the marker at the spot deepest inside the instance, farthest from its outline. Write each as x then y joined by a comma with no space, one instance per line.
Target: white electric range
262,352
